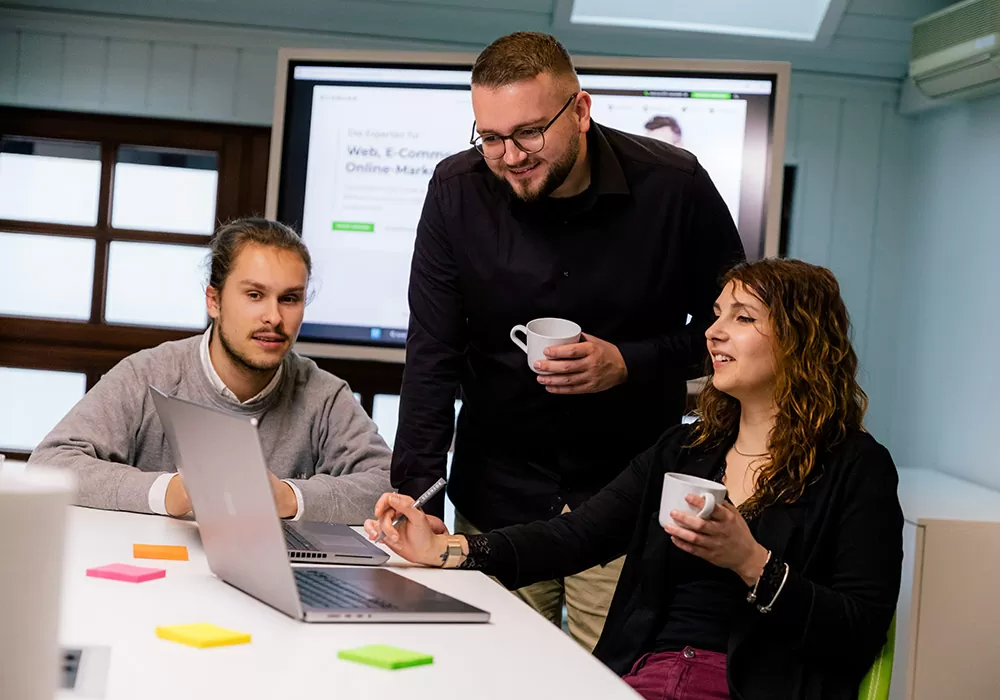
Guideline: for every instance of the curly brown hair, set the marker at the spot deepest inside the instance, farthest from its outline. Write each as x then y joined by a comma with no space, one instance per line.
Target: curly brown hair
817,395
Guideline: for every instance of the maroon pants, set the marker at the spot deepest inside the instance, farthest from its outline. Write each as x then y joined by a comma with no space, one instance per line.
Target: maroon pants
691,674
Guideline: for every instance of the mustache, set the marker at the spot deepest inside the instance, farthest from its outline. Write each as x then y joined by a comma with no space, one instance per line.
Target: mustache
270,331
522,165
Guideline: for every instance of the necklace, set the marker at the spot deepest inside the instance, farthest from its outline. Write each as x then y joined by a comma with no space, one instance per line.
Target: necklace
744,454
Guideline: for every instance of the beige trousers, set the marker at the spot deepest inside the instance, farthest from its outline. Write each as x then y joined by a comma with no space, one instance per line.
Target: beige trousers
587,595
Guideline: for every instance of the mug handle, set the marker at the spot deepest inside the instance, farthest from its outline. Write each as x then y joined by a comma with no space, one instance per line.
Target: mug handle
709,506
517,341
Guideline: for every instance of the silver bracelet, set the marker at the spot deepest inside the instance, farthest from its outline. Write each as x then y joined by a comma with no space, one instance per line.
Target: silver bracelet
767,608
752,595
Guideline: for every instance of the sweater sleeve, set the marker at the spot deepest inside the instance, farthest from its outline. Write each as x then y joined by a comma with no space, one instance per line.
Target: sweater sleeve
352,468
97,440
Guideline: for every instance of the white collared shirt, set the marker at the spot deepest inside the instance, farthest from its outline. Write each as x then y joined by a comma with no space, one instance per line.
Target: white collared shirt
158,491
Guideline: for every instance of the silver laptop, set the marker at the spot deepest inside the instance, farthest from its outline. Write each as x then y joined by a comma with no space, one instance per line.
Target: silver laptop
240,452
219,457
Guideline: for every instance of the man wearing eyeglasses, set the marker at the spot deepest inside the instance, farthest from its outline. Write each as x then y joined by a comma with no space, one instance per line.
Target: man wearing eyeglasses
553,215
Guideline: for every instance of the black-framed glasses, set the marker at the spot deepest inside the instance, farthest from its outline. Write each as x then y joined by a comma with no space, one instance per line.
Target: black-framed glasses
530,139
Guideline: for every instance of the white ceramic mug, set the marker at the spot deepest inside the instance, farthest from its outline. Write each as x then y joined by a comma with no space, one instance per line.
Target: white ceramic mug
544,333
676,487
33,508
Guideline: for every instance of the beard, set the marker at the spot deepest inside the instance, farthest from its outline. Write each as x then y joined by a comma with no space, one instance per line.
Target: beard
241,359
558,172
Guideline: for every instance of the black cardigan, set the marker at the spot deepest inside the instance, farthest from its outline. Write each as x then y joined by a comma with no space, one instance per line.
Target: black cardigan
842,541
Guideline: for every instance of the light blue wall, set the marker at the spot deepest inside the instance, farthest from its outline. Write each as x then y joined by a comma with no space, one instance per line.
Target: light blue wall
848,215
947,406
858,37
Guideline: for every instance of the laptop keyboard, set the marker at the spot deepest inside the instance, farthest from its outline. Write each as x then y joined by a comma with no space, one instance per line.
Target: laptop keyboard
295,541
318,589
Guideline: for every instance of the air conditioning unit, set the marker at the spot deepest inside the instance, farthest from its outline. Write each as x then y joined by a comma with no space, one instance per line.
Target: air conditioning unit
956,52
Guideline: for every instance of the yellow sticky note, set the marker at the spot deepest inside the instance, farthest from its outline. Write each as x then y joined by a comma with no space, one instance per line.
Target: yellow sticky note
202,635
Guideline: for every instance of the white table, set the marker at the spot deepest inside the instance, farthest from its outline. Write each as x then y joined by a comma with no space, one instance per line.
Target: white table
516,656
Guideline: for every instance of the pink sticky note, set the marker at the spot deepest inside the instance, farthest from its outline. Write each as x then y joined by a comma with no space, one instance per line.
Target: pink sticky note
127,572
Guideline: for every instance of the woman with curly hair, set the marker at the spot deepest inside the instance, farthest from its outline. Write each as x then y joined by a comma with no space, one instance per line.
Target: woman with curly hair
787,588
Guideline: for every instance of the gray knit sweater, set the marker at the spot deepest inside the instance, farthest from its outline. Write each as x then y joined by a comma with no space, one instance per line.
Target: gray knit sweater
311,429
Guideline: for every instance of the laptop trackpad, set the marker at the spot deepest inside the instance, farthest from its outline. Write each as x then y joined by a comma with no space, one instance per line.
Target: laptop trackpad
332,538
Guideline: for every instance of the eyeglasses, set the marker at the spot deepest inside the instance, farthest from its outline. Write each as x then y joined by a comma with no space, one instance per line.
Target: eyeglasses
529,139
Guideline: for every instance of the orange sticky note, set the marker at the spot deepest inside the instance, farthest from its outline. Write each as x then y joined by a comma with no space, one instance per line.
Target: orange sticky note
160,551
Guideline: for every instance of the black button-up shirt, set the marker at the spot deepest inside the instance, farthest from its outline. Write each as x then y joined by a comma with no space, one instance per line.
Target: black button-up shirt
629,259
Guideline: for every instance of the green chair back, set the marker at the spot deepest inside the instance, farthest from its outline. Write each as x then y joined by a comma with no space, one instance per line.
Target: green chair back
875,685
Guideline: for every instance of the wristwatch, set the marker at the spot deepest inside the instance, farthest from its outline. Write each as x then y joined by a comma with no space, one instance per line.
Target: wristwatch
453,555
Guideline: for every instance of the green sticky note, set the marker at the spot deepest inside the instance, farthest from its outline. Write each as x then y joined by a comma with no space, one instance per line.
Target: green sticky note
384,656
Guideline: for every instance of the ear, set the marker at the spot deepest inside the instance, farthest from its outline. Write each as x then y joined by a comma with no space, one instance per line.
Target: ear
582,108
213,301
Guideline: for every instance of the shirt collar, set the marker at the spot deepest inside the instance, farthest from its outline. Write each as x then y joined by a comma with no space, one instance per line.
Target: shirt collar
606,174
216,380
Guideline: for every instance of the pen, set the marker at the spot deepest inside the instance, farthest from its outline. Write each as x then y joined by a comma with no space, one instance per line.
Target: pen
419,503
